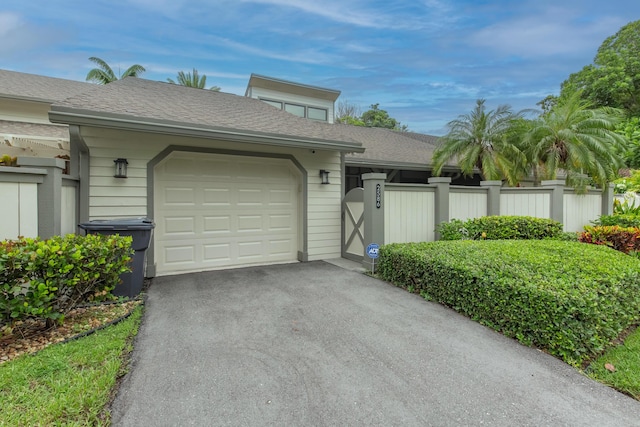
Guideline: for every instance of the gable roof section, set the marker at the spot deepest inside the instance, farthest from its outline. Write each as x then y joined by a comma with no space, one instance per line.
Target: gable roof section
145,105
391,149
31,87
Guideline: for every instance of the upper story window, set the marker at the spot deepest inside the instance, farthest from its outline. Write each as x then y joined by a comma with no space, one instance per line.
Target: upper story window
299,110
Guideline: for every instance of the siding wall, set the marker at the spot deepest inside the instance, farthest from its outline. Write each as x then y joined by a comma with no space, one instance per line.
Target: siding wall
111,197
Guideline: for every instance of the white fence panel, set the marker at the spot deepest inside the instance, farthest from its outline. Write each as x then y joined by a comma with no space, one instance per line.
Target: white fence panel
19,214
68,212
409,216
525,203
580,210
467,205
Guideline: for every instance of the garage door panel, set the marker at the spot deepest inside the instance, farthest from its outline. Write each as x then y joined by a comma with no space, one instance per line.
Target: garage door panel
180,167
179,196
280,197
251,196
226,211
177,254
250,223
216,197
217,253
179,225
282,222
220,224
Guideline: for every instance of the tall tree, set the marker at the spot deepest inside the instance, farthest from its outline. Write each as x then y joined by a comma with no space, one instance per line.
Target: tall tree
348,113
377,118
480,141
577,139
613,80
103,74
192,80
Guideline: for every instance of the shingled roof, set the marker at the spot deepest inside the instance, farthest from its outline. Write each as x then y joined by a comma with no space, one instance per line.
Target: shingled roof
134,103
32,87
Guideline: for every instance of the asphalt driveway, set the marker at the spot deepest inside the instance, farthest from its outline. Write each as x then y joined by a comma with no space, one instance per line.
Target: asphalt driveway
313,344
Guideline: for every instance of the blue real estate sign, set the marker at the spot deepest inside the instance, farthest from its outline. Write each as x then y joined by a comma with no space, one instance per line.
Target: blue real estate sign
372,250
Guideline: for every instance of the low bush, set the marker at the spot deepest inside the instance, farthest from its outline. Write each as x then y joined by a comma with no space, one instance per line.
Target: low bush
500,228
47,278
619,220
621,239
567,298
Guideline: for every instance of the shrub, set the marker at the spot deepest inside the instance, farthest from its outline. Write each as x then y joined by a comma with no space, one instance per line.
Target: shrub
621,239
500,228
626,207
619,220
565,297
47,278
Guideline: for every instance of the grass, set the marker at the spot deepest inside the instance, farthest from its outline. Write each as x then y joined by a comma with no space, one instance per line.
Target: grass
625,359
67,384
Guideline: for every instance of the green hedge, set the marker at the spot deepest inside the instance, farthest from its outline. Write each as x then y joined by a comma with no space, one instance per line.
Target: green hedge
568,298
500,228
47,278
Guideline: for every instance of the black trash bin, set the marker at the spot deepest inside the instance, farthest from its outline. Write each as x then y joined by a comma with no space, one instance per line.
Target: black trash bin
138,228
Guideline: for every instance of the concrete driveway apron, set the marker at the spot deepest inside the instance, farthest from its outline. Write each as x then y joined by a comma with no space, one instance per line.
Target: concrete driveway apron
313,344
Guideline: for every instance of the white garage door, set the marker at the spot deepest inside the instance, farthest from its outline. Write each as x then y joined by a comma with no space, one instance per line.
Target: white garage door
215,211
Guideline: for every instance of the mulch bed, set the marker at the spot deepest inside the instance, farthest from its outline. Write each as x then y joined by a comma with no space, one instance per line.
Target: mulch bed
30,336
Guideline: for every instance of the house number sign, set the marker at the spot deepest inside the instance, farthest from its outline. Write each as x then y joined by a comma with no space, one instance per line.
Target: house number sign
378,196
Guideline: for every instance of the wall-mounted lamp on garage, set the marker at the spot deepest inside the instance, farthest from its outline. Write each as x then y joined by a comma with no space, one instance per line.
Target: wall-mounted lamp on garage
121,168
324,176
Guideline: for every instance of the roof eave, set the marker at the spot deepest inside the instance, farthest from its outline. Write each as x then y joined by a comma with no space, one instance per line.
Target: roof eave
87,118
390,164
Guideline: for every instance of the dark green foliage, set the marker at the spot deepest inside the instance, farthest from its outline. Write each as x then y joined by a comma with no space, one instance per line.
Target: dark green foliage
621,239
568,236
500,228
567,298
619,220
47,278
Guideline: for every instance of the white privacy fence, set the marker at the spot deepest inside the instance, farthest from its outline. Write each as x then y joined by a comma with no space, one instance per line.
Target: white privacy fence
399,213
37,199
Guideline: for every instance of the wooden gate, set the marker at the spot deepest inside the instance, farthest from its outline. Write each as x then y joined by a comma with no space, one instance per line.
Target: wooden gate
353,225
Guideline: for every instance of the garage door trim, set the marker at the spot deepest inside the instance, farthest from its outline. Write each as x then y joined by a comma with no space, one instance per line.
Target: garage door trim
151,264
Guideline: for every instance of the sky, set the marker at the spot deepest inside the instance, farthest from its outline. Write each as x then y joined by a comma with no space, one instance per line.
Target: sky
424,61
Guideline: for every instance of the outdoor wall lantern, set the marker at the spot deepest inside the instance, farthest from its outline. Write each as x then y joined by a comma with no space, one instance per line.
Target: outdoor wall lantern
324,176
121,168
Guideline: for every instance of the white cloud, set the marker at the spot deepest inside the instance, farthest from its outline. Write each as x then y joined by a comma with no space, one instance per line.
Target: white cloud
555,32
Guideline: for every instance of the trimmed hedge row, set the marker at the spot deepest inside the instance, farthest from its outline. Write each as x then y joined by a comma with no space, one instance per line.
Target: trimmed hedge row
500,228
568,298
47,278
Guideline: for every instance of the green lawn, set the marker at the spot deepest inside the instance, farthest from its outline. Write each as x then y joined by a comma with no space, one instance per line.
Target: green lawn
626,361
67,384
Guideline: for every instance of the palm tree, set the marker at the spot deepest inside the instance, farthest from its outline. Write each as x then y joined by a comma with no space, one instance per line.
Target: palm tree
192,80
577,139
480,141
104,74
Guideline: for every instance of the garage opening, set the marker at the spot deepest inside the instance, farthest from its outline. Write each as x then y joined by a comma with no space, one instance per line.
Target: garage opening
218,211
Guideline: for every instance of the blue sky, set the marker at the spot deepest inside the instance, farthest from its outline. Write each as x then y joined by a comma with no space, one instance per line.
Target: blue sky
424,61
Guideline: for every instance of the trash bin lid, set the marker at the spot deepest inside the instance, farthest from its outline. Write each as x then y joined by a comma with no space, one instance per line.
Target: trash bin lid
118,224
